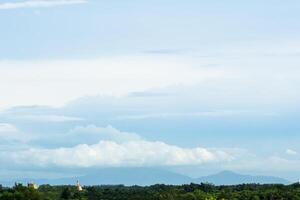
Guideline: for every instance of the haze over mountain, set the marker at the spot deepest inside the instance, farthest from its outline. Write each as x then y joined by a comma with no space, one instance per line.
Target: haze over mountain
231,178
151,176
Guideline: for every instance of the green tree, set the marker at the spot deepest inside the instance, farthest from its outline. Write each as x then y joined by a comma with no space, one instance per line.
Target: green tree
66,193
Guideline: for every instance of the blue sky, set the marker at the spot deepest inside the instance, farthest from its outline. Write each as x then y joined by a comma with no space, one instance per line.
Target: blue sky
207,85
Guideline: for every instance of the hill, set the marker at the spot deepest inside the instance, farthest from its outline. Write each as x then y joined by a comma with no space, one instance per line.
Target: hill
151,176
231,178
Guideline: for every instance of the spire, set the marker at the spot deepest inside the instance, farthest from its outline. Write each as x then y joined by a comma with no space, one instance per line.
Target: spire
79,188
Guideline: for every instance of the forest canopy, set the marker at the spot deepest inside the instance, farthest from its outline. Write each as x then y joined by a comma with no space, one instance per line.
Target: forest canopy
155,192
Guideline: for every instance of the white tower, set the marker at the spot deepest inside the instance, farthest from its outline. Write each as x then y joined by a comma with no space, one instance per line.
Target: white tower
79,188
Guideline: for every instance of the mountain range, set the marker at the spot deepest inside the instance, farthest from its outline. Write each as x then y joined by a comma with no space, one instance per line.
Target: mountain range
231,178
150,176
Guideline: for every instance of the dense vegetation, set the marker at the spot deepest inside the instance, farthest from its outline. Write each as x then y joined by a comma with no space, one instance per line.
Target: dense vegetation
155,192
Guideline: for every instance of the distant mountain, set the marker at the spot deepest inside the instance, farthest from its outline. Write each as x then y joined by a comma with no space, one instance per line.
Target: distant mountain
149,176
231,178
134,176
114,176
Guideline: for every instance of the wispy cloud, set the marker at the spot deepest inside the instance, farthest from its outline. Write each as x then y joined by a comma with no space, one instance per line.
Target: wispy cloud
102,76
166,51
221,113
38,3
48,118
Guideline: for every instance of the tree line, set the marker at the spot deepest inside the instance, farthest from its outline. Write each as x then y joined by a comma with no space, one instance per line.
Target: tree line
191,191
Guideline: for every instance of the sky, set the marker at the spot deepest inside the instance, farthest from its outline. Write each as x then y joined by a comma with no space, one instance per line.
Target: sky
192,86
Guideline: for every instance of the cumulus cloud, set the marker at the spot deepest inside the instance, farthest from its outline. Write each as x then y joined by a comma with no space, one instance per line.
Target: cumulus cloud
98,147
38,3
110,153
291,152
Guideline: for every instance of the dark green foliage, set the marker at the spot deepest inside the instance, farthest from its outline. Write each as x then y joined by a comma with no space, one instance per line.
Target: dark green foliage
66,194
155,192
19,192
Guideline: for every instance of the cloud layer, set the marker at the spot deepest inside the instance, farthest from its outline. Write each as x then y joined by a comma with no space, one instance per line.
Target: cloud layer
110,76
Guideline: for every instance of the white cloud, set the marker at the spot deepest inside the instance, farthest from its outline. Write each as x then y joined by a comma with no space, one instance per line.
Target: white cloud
98,147
109,153
38,3
291,152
